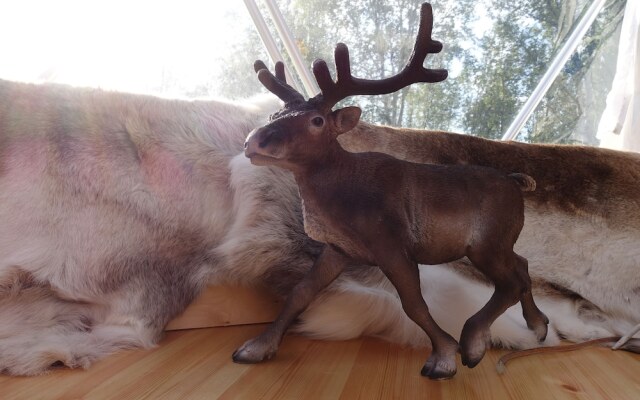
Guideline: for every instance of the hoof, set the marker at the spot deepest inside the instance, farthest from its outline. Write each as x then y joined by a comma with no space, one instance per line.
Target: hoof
253,352
439,370
541,329
471,360
473,346
440,367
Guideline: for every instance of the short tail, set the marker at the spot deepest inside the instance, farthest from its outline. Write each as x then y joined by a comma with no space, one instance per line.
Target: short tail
527,183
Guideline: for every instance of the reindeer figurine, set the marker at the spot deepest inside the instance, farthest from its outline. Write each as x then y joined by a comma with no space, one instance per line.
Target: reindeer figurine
373,209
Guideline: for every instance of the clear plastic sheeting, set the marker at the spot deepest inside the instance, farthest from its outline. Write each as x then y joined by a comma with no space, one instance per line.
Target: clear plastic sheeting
619,126
554,69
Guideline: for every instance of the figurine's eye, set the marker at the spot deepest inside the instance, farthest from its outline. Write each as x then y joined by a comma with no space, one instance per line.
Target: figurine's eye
317,121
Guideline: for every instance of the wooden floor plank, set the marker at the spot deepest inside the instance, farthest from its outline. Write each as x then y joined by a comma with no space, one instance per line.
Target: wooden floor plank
196,364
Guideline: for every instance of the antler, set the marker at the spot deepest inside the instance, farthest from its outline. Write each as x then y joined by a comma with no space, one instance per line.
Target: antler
346,85
277,84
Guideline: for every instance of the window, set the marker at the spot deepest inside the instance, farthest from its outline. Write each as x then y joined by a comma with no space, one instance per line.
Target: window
496,52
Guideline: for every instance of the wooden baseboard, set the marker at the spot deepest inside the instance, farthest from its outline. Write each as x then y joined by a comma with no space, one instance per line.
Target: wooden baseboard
228,305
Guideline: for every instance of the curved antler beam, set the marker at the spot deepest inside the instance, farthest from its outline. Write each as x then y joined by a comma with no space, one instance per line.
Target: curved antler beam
347,85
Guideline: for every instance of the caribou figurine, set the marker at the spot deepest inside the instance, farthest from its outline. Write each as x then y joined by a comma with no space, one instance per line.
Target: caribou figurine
370,209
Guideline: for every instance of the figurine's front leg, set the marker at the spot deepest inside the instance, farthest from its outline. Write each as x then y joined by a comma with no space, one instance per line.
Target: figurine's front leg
325,270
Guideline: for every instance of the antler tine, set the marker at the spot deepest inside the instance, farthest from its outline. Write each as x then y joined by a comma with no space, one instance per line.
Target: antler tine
424,43
280,75
258,65
277,84
323,76
347,85
333,92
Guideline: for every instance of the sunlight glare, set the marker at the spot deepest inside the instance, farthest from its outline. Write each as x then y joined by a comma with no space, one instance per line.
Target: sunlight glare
139,46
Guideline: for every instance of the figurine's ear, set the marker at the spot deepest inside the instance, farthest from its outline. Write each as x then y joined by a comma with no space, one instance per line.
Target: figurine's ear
346,118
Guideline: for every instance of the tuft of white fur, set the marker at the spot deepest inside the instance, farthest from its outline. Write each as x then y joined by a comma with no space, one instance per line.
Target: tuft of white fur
263,199
39,330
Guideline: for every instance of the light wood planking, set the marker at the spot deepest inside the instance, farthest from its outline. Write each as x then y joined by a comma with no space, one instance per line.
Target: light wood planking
196,364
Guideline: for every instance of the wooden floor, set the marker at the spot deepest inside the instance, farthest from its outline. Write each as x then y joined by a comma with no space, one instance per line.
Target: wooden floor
196,364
